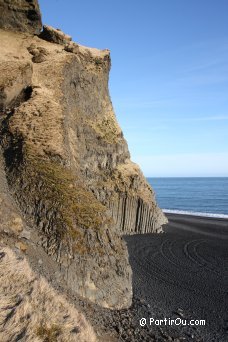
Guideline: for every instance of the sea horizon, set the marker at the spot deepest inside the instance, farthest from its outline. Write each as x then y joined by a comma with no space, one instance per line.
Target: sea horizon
186,177
195,196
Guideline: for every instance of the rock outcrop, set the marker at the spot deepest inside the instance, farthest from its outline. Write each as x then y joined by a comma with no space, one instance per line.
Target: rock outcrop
55,35
67,163
20,15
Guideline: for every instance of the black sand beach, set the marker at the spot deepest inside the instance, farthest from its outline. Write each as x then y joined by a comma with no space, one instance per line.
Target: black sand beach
183,273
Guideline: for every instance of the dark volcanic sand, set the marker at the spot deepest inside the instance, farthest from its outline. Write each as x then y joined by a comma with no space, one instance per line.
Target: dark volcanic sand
183,273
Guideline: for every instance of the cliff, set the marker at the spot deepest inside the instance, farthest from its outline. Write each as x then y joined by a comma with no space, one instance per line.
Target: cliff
66,161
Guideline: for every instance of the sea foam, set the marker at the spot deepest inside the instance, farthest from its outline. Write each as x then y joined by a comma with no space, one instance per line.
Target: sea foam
194,213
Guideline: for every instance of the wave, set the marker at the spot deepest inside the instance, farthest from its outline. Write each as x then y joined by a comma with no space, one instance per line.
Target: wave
194,213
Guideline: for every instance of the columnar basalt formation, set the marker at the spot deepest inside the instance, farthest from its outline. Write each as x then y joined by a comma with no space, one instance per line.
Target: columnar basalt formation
67,163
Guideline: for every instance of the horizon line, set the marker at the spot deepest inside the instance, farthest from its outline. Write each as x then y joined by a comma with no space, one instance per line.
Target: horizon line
186,176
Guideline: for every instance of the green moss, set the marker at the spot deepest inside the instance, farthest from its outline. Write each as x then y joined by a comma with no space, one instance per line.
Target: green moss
76,206
98,61
48,334
107,129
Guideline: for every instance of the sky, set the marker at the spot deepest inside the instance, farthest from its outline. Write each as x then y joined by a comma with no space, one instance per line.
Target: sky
169,77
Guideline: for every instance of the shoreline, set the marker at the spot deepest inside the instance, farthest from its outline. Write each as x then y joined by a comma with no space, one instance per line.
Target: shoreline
196,217
195,214
207,226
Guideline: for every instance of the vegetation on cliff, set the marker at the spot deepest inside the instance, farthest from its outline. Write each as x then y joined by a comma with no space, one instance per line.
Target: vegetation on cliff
67,163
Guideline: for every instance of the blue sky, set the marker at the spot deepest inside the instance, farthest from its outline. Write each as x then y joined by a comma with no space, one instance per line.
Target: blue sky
169,77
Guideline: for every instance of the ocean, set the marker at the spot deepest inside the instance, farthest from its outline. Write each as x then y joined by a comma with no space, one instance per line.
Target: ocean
203,196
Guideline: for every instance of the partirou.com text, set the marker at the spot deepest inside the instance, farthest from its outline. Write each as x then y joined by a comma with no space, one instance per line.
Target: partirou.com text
171,321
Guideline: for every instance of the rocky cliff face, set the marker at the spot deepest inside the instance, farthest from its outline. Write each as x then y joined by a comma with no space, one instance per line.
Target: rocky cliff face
20,15
67,164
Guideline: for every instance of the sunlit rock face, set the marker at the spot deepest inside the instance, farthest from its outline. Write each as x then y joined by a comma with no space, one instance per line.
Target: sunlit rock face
67,163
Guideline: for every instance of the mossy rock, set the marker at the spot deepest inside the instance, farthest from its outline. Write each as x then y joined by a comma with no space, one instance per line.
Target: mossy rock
76,208
107,129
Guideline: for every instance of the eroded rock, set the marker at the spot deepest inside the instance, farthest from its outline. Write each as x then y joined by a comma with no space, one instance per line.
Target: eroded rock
71,47
20,15
16,77
39,53
55,35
